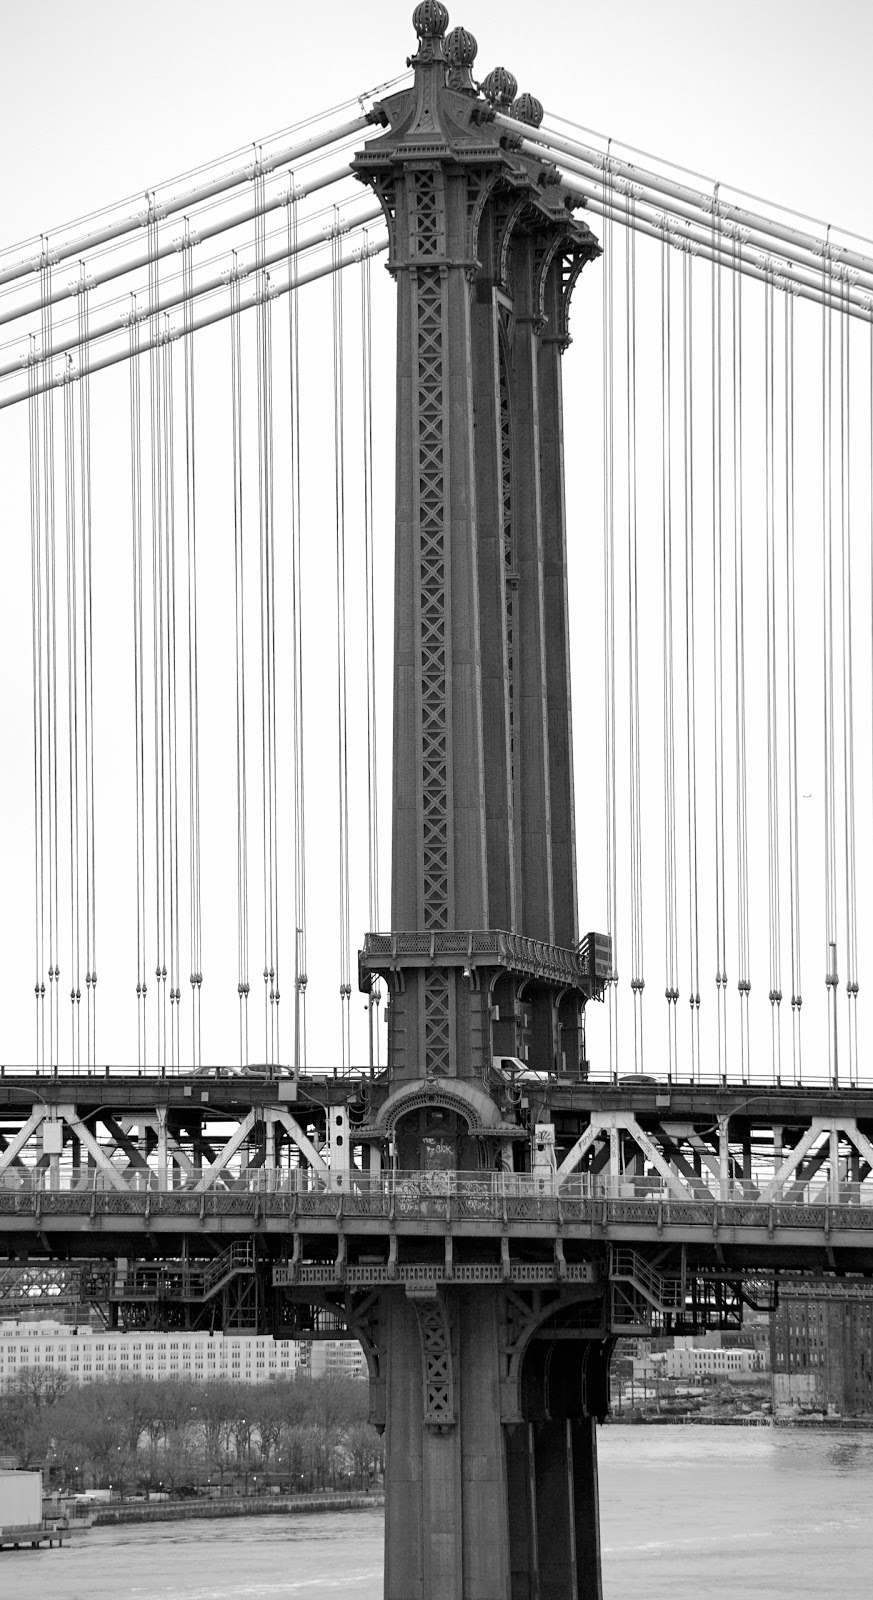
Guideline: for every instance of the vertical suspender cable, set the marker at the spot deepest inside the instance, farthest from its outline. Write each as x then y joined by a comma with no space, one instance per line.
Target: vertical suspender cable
690,661
718,647
157,506
848,691
775,928
88,676
342,701
268,646
195,906
73,714
793,830
38,697
51,686
138,681
743,980
637,976
274,765
370,608
169,478
670,909
609,609
831,976
300,979
242,848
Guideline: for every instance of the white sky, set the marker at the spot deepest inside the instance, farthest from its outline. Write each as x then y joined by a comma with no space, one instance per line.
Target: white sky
101,101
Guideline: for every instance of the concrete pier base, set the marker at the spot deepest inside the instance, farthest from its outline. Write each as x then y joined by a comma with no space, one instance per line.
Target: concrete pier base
478,1507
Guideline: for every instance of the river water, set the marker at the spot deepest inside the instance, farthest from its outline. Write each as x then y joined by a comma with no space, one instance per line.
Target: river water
766,1514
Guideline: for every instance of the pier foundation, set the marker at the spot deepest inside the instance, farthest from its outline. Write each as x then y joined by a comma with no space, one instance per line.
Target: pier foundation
491,1461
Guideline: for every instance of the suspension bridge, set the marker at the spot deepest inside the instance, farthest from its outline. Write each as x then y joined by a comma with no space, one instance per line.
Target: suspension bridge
236,1093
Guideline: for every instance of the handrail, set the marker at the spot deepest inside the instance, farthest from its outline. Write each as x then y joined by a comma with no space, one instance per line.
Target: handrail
410,1188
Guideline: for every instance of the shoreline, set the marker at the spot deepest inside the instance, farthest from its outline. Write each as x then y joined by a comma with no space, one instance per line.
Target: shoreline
859,1424
240,1506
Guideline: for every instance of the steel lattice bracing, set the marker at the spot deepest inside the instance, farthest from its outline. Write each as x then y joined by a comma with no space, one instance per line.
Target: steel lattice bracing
484,252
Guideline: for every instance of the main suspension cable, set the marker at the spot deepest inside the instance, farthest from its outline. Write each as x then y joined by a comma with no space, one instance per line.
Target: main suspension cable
180,204
205,319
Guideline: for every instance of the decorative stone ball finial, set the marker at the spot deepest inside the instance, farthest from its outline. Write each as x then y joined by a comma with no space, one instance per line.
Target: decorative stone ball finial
500,87
461,50
528,109
430,19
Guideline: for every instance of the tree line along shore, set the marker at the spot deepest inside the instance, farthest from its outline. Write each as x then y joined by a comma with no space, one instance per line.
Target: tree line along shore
182,1439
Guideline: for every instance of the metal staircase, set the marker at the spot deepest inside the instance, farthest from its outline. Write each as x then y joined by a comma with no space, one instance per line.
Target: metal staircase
192,1283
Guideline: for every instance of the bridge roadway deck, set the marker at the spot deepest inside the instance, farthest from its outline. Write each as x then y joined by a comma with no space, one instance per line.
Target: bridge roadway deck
222,1089
98,1222
126,1208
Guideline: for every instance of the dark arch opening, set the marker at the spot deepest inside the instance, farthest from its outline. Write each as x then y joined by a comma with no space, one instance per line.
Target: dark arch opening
565,1369
435,1138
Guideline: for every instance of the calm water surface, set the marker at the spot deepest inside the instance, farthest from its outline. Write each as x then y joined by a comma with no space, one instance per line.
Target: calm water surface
686,1512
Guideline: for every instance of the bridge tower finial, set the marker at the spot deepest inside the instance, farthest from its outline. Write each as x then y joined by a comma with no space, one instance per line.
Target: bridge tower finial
430,19
461,50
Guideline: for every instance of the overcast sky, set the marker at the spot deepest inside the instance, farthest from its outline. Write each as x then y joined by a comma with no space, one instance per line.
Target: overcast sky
101,100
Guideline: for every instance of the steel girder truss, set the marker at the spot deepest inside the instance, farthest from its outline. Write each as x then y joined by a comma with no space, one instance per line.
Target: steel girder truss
822,1159
57,1147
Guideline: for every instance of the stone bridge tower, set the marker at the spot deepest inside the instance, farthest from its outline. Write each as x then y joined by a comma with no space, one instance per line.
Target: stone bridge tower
491,1475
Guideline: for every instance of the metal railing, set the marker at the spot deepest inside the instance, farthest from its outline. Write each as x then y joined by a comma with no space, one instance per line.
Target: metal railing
197,1282
414,1190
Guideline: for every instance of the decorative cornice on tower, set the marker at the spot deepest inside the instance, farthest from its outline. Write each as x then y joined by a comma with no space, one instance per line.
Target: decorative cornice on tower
444,117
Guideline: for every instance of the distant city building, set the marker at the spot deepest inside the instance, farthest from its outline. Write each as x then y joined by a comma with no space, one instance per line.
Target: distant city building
828,1340
86,1354
698,1361
337,1358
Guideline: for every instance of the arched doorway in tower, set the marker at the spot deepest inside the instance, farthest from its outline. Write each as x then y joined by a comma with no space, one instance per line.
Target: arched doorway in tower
433,1138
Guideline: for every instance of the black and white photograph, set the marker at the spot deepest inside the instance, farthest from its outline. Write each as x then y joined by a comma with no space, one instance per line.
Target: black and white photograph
436,801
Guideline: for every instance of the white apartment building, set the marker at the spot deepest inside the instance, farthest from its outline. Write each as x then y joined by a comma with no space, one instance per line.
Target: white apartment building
87,1355
697,1361
337,1358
